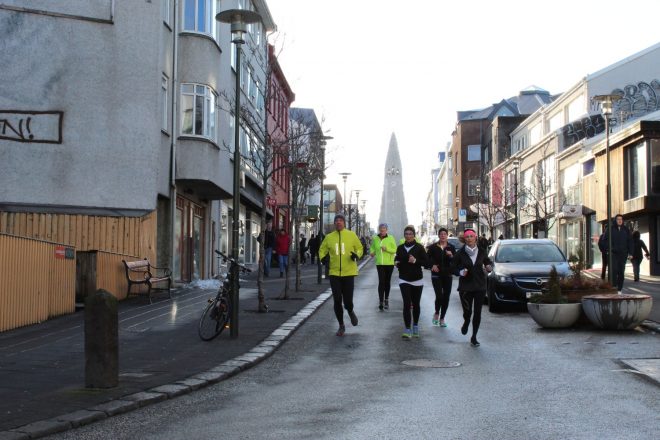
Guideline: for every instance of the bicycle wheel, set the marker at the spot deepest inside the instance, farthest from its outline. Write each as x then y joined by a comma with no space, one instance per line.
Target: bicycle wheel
213,320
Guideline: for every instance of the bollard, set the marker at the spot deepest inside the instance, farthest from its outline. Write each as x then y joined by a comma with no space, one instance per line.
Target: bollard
101,340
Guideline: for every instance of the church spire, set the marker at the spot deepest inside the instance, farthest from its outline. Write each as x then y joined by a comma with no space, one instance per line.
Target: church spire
393,203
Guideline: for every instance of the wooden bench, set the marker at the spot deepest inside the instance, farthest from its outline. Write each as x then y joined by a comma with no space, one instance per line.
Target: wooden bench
142,274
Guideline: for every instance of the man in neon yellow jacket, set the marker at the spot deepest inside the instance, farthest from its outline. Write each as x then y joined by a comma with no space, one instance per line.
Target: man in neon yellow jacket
342,249
383,247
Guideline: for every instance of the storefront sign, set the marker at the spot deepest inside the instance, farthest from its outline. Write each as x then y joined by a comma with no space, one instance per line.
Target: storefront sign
571,211
63,252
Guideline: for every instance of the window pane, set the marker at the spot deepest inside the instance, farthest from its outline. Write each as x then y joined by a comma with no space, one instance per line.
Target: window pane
212,116
199,114
201,15
474,152
187,88
588,167
189,20
186,114
655,166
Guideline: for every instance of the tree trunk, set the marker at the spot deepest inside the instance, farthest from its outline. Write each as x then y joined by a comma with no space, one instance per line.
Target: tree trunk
261,298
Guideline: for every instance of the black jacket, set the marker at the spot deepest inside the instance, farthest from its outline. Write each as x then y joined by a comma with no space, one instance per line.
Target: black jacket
475,280
621,240
638,246
439,257
411,271
270,239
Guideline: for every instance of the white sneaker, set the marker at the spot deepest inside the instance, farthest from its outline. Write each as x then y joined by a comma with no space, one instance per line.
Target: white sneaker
619,292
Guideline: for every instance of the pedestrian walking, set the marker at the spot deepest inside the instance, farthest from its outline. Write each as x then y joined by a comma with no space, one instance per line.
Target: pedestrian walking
302,248
269,242
621,250
471,263
440,255
282,243
342,249
483,241
638,246
313,245
383,248
602,247
410,258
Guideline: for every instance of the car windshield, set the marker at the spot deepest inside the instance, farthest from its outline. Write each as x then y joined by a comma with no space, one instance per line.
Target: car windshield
528,253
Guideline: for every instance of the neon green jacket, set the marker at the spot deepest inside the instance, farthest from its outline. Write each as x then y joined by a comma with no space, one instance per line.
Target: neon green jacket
339,246
383,257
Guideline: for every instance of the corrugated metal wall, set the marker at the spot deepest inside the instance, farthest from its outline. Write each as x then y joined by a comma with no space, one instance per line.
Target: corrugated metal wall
123,235
35,283
111,275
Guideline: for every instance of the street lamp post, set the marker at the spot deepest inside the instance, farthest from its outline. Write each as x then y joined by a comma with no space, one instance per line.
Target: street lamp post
607,101
516,166
350,209
363,202
344,177
239,19
478,188
319,266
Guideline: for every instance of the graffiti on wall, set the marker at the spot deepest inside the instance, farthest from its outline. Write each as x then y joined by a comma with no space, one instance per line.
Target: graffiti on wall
638,100
31,126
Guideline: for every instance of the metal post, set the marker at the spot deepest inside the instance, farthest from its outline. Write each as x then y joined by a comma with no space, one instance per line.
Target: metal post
319,272
233,329
610,275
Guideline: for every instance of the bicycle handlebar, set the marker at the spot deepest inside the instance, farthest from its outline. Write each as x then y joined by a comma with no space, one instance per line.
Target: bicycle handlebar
232,261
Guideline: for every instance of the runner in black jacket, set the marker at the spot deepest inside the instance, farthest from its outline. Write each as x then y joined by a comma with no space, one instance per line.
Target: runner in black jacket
410,258
471,264
440,256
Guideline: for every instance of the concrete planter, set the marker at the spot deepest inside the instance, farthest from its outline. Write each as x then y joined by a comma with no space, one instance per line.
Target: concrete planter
554,315
617,312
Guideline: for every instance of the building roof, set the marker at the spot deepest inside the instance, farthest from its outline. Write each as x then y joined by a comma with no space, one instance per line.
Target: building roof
526,102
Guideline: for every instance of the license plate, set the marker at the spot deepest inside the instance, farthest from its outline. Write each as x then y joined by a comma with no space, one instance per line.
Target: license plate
532,293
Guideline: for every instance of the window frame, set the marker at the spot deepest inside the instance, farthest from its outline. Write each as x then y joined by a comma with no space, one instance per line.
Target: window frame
164,90
209,122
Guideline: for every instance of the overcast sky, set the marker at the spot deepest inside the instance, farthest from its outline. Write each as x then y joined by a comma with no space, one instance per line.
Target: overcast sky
373,67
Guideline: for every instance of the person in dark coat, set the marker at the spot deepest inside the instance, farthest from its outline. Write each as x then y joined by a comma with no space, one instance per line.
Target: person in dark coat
302,248
621,250
441,254
313,245
602,247
637,247
269,243
471,263
410,258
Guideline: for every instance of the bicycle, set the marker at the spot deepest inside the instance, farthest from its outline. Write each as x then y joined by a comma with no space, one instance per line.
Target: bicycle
217,314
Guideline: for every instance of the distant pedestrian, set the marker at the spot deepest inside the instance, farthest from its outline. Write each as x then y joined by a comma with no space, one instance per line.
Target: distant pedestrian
471,264
313,245
483,242
269,242
602,247
621,250
342,249
302,248
383,248
440,255
410,258
282,243
638,246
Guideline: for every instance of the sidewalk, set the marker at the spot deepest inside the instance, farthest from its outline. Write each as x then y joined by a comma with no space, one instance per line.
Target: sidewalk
160,354
647,284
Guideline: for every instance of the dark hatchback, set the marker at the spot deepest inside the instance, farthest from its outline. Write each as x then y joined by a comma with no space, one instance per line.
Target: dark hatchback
521,268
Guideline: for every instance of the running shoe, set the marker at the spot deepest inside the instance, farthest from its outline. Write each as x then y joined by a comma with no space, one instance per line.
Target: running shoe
434,321
415,331
354,320
443,323
407,334
380,306
474,342
386,304
341,330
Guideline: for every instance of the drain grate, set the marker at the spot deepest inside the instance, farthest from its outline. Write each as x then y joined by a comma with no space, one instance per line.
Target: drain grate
430,363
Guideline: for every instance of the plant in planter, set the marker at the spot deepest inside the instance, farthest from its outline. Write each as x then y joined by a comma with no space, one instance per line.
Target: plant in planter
551,308
577,284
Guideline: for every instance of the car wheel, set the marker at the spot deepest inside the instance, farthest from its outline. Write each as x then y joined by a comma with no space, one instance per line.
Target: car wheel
493,304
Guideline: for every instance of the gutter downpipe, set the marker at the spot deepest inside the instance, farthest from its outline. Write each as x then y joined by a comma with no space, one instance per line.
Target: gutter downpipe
175,75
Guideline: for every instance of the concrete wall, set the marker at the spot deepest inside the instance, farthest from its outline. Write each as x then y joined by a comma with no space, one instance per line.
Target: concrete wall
104,78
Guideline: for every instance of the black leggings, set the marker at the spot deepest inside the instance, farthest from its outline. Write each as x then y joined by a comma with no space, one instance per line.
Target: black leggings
384,281
442,288
467,298
411,296
342,290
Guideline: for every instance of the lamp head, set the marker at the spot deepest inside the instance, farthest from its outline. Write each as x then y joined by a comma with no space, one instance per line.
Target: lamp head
239,19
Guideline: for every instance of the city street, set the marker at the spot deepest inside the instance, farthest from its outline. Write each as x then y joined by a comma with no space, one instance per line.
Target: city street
522,383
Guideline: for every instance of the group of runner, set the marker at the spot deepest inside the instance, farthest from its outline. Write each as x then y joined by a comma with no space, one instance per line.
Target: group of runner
341,249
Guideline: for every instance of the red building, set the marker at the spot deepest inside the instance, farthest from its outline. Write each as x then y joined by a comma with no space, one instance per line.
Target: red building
280,97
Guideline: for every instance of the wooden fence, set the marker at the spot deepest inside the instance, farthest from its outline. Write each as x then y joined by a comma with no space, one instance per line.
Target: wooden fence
37,280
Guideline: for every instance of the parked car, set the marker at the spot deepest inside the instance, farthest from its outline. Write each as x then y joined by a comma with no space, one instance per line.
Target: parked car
520,269
456,242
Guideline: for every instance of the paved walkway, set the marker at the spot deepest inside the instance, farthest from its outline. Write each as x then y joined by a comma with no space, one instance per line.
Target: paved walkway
43,365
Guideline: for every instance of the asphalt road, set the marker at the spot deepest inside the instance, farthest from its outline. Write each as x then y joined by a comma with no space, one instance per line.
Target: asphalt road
522,383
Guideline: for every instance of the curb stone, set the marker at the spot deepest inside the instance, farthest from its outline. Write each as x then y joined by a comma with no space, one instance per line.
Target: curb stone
163,392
